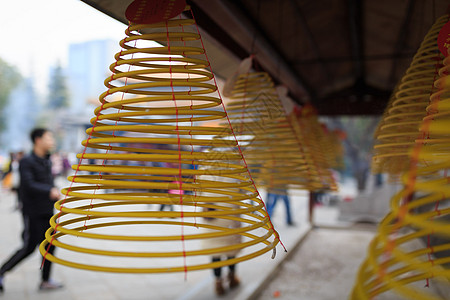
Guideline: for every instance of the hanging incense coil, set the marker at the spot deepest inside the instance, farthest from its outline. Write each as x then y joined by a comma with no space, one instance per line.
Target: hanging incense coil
335,150
150,144
254,113
376,165
266,137
400,125
317,145
413,241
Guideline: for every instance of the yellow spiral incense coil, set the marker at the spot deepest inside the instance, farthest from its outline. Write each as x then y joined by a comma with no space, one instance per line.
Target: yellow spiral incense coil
399,129
412,244
150,145
377,166
391,100
317,146
268,141
335,150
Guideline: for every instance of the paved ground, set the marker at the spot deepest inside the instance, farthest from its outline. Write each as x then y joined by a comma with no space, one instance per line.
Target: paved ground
22,282
324,266
321,264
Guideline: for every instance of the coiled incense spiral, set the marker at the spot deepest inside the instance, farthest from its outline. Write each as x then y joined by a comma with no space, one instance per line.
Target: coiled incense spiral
151,145
269,143
399,126
412,244
318,146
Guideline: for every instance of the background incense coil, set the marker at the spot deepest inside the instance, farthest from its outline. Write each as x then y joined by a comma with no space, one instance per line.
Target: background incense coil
272,150
400,124
150,144
255,113
420,215
334,151
324,152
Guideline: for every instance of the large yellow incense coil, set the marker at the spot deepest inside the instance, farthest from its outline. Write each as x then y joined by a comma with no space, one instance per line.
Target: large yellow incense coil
412,244
400,124
149,145
267,139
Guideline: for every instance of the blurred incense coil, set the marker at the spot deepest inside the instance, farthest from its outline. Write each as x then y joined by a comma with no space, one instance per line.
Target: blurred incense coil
400,124
151,144
267,138
323,151
412,245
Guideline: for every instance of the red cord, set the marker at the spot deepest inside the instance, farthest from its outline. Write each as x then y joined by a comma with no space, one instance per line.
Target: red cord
180,180
78,168
237,144
412,177
190,132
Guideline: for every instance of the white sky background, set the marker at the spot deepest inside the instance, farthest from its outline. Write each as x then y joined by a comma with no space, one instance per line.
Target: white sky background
36,34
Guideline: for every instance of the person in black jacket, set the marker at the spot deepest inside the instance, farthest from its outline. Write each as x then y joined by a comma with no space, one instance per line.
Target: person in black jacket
38,194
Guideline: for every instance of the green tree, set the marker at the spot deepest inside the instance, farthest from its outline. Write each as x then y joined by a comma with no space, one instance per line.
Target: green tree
9,79
58,92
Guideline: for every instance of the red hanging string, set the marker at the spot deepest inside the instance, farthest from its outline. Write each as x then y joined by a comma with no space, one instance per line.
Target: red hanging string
113,132
78,167
180,180
190,132
412,177
234,135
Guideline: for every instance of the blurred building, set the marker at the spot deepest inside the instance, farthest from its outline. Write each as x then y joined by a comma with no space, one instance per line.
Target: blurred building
87,68
20,116
86,71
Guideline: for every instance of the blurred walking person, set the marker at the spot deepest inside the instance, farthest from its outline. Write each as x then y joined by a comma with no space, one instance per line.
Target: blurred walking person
224,241
38,194
275,193
16,178
223,222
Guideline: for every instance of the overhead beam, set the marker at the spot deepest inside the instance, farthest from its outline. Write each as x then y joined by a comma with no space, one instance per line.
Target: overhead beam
356,24
114,9
345,105
242,29
402,38
205,22
352,101
312,41
345,59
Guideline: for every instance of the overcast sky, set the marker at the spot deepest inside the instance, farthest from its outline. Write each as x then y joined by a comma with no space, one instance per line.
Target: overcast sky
37,33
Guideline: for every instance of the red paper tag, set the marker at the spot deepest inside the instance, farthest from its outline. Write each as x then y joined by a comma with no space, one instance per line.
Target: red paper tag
443,39
307,110
153,11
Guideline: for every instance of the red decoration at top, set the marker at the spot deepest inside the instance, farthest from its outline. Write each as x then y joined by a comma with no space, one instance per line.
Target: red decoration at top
306,110
153,11
443,39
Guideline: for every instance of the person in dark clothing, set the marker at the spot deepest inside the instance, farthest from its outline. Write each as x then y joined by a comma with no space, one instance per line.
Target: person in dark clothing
38,194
